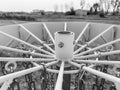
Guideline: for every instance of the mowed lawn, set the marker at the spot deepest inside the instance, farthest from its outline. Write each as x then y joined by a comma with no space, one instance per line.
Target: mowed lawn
108,21
10,22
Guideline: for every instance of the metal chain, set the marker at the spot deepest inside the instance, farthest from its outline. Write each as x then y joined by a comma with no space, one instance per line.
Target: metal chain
3,68
29,78
96,86
113,87
43,78
14,85
76,81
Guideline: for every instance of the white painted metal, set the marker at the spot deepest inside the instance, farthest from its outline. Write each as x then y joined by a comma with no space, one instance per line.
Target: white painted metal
65,26
98,55
48,31
24,72
95,38
65,72
98,73
63,52
25,59
13,67
98,62
99,47
81,34
28,44
6,84
64,45
57,71
117,86
59,81
23,51
28,37
36,38
9,43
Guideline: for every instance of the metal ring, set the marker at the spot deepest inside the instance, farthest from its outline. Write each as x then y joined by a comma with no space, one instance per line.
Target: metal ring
43,43
7,66
82,66
109,48
99,54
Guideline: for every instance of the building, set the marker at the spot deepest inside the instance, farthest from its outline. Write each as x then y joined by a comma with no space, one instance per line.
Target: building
49,12
80,12
38,12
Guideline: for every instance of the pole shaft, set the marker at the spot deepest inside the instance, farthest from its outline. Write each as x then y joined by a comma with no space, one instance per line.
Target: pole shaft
60,78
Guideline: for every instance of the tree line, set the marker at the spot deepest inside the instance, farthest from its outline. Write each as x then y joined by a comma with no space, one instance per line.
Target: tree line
102,7
17,16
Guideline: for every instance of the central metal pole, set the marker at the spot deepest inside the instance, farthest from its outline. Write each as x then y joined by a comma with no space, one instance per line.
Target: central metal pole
64,41
64,44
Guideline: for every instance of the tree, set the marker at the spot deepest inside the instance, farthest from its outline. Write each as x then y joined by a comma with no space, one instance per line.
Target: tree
82,4
116,6
67,7
96,6
105,6
56,8
71,12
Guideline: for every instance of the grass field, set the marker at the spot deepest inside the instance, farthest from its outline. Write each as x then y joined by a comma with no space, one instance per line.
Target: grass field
9,22
96,19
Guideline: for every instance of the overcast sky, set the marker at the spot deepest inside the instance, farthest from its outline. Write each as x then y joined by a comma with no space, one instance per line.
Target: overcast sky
29,5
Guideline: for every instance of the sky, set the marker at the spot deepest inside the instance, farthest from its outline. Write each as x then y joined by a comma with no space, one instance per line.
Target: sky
29,5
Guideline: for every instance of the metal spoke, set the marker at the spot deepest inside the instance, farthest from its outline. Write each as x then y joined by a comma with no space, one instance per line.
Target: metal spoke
28,37
25,52
98,73
25,59
99,47
98,55
80,35
24,72
9,43
59,81
65,26
6,84
95,38
48,31
98,62
28,44
24,28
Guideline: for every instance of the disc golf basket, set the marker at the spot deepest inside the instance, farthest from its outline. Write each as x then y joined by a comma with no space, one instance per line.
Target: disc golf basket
60,56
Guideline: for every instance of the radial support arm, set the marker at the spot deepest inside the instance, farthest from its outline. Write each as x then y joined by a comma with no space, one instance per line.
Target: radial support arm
98,62
95,38
98,73
65,26
60,78
25,52
6,84
24,72
28,44
9,43
80,35
25,59
99,47
48,31
36,38
98,55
